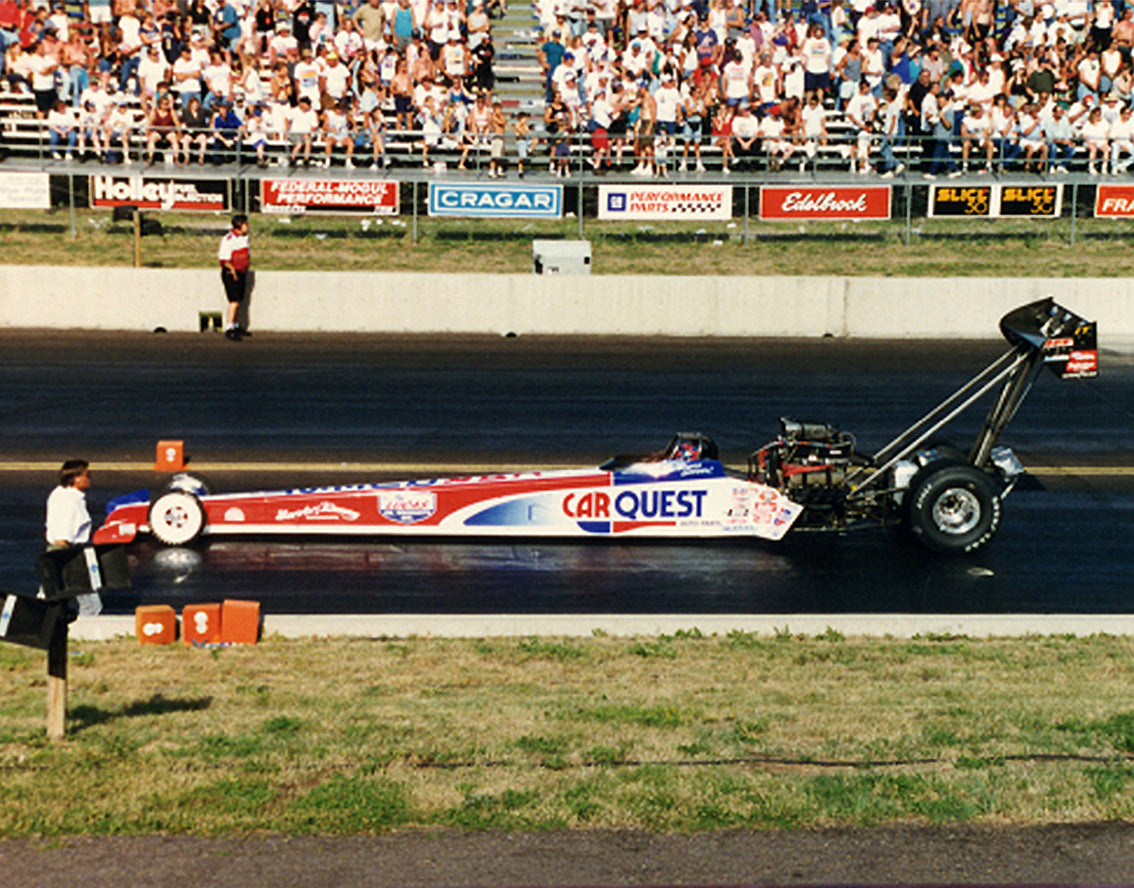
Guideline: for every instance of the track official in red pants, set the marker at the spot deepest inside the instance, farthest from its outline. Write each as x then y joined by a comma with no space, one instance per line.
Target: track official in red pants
235,259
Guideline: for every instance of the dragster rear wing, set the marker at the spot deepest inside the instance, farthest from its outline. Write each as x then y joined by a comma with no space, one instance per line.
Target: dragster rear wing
1068,343
1040,333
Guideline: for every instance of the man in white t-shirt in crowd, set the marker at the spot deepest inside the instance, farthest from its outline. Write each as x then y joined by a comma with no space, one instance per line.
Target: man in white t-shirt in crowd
334,80
301,126
860,114
306,77
152,71
776,147
814,129
187,76
1122,141
976,128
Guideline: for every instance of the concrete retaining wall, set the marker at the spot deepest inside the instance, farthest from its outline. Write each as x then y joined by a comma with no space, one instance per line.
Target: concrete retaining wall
144,299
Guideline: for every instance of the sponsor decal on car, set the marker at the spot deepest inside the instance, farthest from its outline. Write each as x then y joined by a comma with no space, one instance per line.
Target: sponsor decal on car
407,506
234,515
324,511
634,505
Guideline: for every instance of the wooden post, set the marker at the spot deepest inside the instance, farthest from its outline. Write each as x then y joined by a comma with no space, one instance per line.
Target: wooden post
137,238
57,681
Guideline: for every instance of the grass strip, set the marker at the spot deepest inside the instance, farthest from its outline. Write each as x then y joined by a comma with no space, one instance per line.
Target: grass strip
937,248
675,733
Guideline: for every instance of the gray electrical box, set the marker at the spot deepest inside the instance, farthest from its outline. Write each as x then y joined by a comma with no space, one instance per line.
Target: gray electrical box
561,257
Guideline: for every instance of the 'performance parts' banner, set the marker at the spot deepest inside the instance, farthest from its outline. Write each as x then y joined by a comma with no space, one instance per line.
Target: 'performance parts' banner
665,202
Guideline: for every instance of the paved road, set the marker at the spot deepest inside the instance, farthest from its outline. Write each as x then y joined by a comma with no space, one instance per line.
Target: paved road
291,409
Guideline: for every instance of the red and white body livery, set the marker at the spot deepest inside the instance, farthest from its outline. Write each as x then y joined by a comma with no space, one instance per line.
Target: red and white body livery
655,498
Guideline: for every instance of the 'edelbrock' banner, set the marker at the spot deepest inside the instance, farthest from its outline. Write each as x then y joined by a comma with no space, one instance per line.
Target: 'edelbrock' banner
148,193
824,202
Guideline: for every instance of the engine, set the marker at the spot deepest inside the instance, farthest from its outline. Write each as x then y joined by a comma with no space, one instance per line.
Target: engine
808,462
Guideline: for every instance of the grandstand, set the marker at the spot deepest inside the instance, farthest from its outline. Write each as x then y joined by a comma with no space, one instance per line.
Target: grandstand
872,114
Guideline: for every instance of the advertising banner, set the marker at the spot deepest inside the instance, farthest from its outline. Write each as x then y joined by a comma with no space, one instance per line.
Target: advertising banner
25,191
996,201
502,201
371,196
665,202
1034,201
968,200
1114,201
819,202
155,193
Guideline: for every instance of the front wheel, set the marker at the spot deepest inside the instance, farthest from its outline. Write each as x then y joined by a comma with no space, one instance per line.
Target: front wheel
176,518
954,509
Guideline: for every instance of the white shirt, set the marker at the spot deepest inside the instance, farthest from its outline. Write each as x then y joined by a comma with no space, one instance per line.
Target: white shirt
67,516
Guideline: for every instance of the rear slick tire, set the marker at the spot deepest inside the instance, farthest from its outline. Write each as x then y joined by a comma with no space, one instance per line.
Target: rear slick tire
176,518
954,509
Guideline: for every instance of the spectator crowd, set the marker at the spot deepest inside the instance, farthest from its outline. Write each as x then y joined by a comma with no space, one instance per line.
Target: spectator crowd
973,84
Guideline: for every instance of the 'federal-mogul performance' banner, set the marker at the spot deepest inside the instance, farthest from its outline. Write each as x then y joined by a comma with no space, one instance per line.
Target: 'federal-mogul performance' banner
372,196
997,201
665,202
502,201
818,202
148,193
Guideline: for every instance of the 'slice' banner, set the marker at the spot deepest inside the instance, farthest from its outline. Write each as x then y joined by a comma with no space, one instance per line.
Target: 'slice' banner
154,193
500,201
996,201
25,191
370,196
665,202
787,203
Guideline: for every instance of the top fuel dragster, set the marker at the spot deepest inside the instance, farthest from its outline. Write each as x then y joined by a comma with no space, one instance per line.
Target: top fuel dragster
810,477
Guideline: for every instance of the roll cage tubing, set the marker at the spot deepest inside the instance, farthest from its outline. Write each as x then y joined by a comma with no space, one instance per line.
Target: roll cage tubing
1017,369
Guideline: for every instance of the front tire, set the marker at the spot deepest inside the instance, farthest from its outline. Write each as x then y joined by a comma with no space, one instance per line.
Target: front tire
176,518
954,509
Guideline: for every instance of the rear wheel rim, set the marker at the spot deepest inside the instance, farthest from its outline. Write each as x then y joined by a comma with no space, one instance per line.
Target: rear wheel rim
957,511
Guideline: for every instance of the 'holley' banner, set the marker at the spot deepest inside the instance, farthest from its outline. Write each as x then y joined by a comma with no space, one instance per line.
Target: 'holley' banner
154,193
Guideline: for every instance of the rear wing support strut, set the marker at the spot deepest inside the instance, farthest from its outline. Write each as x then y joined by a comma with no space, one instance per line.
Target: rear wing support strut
1041,332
